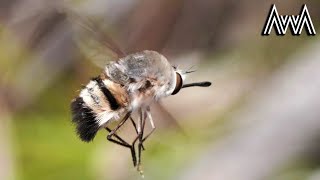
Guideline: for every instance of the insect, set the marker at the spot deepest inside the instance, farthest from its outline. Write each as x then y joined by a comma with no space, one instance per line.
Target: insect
128,85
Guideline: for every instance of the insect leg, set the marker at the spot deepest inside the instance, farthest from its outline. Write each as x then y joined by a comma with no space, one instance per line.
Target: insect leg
113,132
151,122
140,135
135,127
120,140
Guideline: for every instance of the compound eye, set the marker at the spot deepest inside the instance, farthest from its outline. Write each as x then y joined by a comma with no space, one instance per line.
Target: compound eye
179,83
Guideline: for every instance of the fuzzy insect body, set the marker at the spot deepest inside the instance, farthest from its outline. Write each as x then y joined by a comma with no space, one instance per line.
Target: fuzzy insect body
129,84
126,85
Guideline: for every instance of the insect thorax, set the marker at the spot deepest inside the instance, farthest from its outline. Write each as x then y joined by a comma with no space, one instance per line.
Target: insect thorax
145,73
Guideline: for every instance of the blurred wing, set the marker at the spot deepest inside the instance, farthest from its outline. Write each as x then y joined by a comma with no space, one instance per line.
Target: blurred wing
167,118
93,41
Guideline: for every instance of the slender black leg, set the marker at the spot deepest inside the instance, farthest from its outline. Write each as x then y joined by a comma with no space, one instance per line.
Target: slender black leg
125,144
145,138
113,132
126,117
120,140
135,127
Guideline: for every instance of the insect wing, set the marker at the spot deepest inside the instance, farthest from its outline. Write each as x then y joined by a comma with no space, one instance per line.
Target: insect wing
93,41
168,119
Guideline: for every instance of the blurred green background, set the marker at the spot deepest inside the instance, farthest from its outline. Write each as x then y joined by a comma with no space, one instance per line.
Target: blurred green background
259,120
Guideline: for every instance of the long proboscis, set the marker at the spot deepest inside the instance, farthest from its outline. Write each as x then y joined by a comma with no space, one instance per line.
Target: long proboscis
200,84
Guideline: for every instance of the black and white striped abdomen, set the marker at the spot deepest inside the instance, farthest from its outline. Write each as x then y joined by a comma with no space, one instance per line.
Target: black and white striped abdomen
97,104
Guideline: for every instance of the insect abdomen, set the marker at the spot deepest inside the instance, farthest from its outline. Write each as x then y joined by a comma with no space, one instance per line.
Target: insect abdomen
85,120
114,105
100,101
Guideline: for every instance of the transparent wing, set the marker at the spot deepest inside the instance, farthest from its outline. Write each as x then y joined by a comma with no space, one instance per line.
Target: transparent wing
92,39
167,118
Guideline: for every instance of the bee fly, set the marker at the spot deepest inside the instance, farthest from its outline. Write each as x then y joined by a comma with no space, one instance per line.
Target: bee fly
127,85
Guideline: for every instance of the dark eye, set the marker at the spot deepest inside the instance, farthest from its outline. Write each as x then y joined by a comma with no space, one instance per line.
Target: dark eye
174,67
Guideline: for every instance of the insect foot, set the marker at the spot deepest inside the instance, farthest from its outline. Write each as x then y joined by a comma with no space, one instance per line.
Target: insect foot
139,169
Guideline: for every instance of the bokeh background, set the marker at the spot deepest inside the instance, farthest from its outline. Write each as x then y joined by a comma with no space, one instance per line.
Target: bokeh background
259,120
